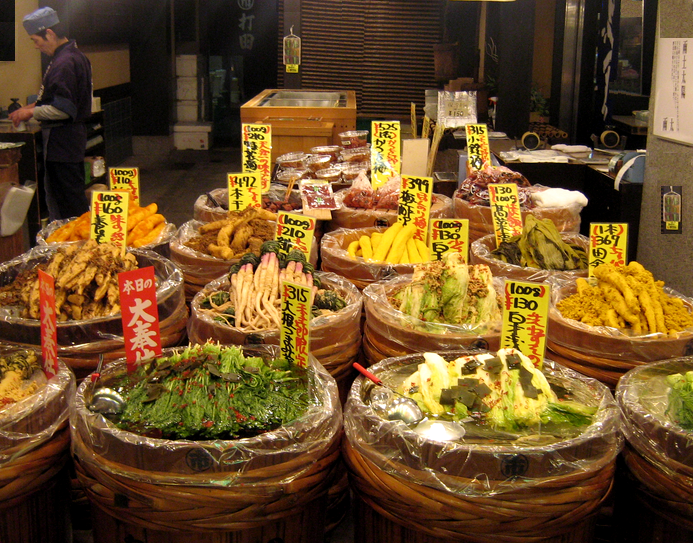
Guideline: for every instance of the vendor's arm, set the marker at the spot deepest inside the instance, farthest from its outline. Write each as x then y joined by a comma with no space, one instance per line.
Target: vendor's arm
22,114
49,113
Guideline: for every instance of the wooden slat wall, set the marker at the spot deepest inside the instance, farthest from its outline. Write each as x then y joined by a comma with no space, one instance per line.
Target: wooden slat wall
382,49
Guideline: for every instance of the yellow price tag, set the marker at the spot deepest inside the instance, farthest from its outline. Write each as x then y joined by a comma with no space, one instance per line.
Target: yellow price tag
109,218
505,210
257,151
294,338
449,235
385,151
292,68
415,196
127,180
525,319
478,148
244,190
608,244
295,231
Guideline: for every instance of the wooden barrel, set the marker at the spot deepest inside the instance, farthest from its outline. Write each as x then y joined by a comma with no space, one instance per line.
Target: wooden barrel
505,492
480,253
390,333
34,449
80,343
205,210
335,340
234,491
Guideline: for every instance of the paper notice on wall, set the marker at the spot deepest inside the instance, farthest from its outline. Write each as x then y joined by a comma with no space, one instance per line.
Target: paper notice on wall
673,104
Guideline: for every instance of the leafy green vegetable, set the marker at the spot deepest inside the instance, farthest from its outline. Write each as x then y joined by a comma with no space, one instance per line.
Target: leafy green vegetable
680,408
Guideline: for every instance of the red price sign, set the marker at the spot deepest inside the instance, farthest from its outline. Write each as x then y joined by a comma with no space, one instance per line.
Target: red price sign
140,315
525,319
49,330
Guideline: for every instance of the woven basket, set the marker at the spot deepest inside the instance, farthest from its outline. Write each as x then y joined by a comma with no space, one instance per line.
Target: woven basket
459,492
238,488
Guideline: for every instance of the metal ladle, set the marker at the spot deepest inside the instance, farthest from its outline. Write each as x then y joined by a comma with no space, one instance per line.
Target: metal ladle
104,400
399,407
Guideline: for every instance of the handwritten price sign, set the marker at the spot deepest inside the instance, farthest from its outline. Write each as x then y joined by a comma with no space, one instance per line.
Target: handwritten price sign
478,148
294,338
109,218
385,151
449,235
608,244
257,152
525,319
126,180
415,196
245,190
49,330
505,209
295,232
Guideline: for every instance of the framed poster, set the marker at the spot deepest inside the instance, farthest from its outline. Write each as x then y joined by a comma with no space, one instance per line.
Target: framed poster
673,104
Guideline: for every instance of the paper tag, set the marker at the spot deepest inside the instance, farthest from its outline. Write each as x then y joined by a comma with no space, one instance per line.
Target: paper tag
49,329
525,319
385,151
449,235
292,68
295,330
109,218
478,148
257,152
127,180
244,190
140,315
608,244
505,209
295,232
415,196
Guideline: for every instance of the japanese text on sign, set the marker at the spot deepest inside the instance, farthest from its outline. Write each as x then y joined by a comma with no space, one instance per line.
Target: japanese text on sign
449,235
608,244
415,197
109,218
385,151
478,149
257,152
295,330
49,330
126,180
246,37
244,190
295,232
140,315
525,317
505,209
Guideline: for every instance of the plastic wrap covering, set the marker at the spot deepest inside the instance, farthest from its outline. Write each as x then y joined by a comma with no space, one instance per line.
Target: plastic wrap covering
34,435
511,486
480,253
566,219
335,258
660,452
335,339
81,341
607,353
352,217
214,205
209,485
389,332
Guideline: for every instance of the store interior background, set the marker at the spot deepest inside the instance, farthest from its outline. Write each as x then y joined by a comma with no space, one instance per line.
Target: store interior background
537,56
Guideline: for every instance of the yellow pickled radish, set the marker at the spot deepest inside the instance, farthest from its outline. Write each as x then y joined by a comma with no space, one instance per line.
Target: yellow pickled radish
386,242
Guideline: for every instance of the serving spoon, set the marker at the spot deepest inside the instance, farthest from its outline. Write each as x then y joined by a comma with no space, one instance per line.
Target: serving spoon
104,400
398,406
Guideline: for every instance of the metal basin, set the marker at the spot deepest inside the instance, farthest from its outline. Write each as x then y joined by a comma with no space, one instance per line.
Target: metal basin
289,98
280,102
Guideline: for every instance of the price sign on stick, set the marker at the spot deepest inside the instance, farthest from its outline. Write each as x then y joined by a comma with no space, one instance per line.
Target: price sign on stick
525,319
415,196
385,151
478,148
295,330
295,231
140,315
49,330
449,235
109,218
608,244
505,209
244,190
126,180
257,152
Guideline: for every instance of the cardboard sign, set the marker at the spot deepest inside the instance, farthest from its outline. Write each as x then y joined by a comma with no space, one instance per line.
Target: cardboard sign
415,196
126,180
525,319
49,329
385,151
449,235
295,231
294,338
140,315
109,218
257,152
478,148
505,209
244,190
608,244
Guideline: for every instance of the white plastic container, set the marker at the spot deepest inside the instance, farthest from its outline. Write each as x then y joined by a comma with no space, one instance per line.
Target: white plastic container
186,111
186,88
15,204
196,136
186,65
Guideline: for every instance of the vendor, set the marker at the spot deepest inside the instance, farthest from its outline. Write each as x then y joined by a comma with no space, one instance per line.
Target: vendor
62,106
